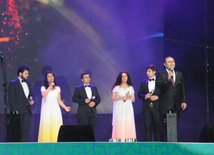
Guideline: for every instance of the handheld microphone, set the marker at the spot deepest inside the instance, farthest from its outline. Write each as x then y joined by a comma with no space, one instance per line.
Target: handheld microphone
53,85
92,98
31,98
126,94
172,71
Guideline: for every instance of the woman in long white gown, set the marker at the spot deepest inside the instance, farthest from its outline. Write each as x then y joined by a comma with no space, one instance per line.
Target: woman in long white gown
123,114
51,116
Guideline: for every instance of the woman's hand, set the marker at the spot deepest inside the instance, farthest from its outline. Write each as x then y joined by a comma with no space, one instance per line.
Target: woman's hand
52,85
128,95
124,98
67,109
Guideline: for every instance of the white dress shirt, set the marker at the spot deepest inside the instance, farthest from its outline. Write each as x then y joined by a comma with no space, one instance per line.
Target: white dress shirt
88,91
151,85
25,88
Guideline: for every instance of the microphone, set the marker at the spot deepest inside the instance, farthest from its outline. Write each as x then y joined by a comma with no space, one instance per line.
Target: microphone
172,71
92,98
31,98
53,85
126,94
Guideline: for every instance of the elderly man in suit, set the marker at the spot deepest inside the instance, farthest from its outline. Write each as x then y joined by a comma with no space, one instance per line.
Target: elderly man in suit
149,92
21,99
88,98
173,94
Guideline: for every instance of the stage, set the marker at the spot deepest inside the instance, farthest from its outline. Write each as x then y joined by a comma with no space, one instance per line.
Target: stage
104,38
107,148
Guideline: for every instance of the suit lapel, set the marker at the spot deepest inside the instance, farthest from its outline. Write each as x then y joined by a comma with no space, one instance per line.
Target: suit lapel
19,84
166,73
29,88
155,86
147,85
176,78
92,91
83,90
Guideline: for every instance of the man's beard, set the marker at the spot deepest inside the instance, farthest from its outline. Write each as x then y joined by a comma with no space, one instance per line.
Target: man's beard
22,77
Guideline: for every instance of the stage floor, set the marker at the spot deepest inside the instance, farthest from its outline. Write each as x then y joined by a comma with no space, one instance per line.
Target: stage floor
106,148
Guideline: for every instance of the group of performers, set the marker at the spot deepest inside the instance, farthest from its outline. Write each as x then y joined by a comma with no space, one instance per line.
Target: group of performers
160,94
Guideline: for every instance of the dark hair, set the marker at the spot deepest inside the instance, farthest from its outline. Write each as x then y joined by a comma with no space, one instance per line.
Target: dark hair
119,79
167,57
45,81
22,68
152,67
84,73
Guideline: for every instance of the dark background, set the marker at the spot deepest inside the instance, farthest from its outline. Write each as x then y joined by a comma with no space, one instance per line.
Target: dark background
105,37
188,37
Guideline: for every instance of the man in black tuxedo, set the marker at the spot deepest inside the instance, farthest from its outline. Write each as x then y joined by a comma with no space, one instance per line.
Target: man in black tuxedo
21,99
88,98
150,95
173,94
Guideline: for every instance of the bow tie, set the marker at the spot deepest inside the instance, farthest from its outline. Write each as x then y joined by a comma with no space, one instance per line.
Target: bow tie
23,81
152,79
87,85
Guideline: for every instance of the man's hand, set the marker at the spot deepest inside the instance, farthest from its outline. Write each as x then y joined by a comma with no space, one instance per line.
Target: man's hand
87,100
31,102
183,106
153,97
92,104
170,75
148,95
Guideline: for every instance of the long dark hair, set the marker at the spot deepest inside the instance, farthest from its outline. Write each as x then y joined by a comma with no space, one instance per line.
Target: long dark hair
45,81
119,79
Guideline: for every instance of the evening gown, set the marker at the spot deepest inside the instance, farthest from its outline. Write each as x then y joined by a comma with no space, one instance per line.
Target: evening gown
50,117
123,115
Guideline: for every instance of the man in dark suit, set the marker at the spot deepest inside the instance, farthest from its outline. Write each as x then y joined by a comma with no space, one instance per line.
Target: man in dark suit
150,95
173,94
88,98
172,88
21,99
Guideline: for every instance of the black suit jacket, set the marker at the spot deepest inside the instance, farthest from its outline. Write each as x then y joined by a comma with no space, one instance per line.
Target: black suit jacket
171,96
144,90
79,97
17,99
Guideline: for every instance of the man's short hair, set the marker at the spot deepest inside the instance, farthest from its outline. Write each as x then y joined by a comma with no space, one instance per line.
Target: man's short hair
22,68
152,67
85,73
167,57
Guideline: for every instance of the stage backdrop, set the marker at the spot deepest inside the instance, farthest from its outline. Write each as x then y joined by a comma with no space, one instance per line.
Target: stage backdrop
188,37
104,37
70,37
